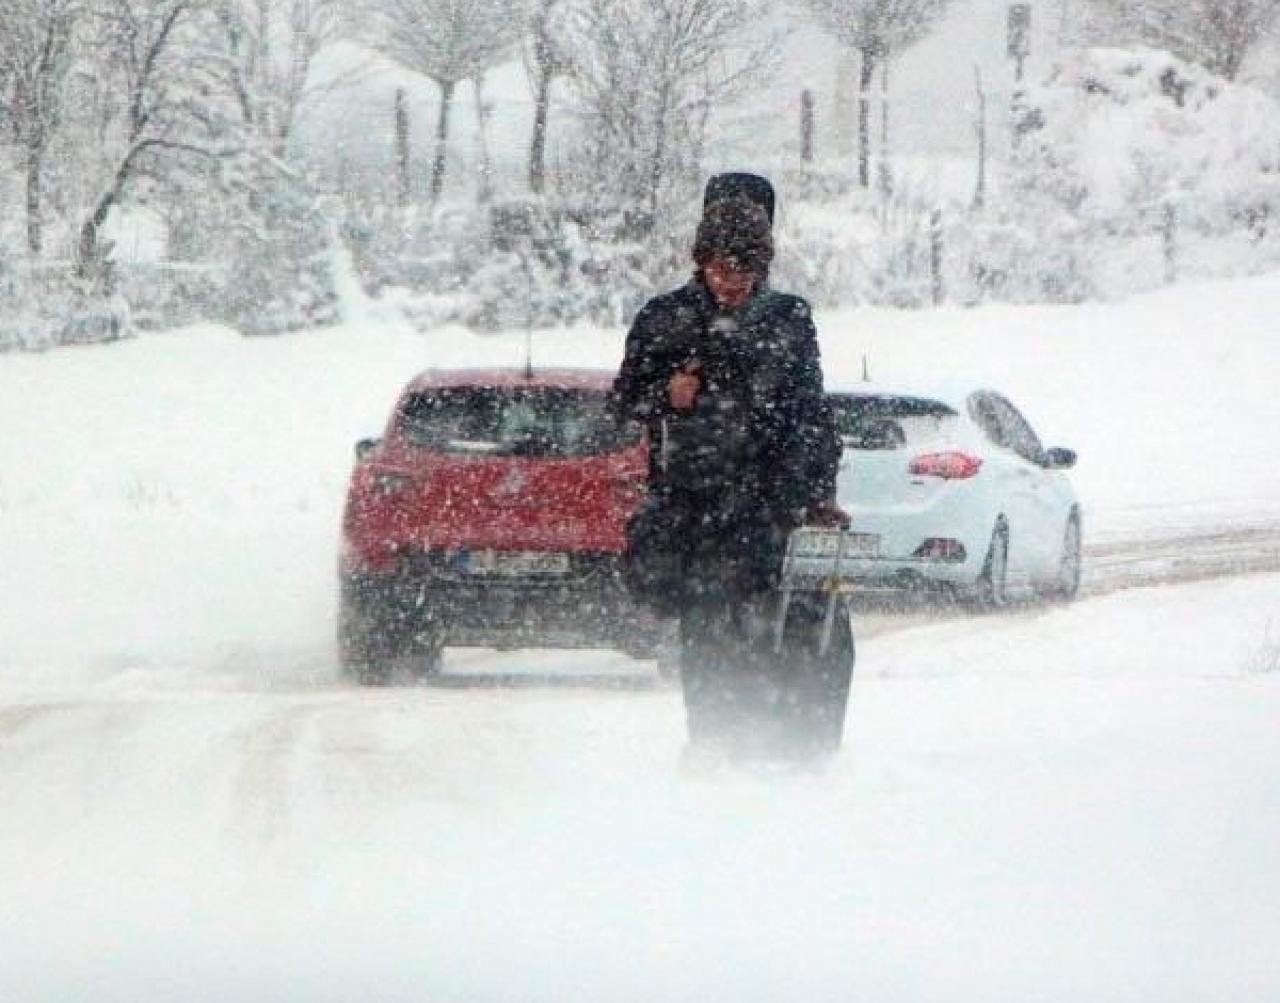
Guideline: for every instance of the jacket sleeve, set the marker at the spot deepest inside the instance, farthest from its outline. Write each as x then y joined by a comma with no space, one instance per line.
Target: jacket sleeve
813,459
639,389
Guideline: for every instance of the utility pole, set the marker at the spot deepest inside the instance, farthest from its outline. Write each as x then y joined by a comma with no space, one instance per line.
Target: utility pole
1019,50
937,251
980,195
1019,39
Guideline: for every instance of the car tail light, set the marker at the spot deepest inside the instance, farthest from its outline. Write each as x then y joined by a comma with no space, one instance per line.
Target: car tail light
952,465
941,549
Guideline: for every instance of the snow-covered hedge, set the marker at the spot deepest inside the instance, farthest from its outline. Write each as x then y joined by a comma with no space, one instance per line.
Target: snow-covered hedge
513,263
1113,136
46,305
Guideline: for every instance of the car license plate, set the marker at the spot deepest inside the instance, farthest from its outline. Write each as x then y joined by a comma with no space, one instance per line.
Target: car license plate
825,544
512,562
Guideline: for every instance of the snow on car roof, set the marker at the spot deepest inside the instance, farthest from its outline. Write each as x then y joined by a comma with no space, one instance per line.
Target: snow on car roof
571,379
953,394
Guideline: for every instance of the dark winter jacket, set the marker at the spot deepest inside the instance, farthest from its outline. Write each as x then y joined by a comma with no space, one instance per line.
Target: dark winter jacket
761,446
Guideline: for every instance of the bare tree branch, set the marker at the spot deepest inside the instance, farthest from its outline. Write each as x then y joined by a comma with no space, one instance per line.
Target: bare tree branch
167,61
36,46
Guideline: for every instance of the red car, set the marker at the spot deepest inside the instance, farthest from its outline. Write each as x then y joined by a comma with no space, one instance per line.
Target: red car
491,513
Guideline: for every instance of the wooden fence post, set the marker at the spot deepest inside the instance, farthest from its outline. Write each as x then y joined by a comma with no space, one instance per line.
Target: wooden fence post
1169,239
936,253
806,126
403,192
980,194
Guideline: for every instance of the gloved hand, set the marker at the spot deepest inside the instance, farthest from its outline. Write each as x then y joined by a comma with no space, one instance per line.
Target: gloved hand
828,515
683,387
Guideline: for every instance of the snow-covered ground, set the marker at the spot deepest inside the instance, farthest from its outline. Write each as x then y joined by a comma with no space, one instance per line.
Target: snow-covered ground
1070,806
1065,804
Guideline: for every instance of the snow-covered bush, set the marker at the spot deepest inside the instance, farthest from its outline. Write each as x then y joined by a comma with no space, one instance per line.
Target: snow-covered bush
562,279
824,253
1012,260
816,183
20,327
513,263
46,305
1111,136
279,276
172,294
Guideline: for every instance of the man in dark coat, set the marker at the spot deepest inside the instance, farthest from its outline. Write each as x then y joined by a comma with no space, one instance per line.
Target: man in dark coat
725,374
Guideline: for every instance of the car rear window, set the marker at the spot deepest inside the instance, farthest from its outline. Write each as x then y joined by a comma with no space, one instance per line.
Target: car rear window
880,422
515,421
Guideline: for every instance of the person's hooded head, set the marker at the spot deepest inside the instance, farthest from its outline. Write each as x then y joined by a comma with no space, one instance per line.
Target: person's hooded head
739,184
733,249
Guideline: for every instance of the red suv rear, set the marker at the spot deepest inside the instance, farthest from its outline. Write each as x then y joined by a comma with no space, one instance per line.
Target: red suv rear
491,513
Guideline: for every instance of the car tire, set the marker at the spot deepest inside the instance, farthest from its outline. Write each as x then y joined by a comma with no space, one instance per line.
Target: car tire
376,654
364,653
370,638
380,641
423,657
1066,585
991,591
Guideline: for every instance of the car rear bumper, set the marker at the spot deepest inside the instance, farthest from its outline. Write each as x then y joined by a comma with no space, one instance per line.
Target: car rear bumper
901,563
587,608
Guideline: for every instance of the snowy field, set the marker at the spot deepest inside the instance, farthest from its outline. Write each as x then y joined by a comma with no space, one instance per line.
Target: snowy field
1072,804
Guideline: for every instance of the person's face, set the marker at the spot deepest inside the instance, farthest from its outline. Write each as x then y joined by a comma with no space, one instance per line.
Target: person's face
730,282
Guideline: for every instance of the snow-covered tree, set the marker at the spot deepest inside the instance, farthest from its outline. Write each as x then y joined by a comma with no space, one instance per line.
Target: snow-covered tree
36,55
280,249
649,74
164,107
447,41
547,58
876,30
1216,34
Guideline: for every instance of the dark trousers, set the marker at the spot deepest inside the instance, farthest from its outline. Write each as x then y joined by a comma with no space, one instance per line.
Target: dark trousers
755,702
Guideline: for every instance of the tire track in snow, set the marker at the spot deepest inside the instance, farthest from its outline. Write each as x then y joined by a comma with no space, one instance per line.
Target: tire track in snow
1109,567
265,784
1185,557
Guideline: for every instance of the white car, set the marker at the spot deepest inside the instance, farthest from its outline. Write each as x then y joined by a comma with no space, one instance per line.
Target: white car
952,489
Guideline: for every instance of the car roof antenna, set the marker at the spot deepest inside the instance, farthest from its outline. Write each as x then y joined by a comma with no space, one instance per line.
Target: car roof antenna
866,370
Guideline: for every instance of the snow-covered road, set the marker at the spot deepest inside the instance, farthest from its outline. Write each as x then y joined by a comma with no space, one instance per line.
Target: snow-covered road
1066,804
